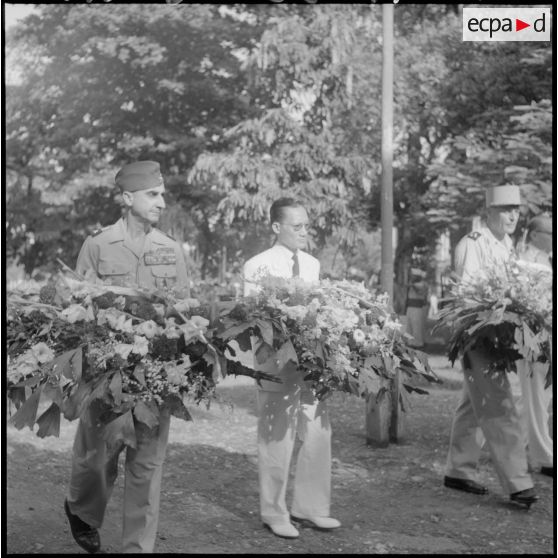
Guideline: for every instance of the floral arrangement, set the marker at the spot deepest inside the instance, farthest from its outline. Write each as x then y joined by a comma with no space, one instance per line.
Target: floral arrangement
340,336
128,352
507,311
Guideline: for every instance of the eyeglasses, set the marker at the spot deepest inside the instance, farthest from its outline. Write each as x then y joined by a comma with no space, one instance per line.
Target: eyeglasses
297,227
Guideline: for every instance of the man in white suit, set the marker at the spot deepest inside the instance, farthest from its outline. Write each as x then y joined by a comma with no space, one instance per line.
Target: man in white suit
289,408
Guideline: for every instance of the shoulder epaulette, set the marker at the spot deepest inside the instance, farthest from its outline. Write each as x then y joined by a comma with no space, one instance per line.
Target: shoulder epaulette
475,235
98,231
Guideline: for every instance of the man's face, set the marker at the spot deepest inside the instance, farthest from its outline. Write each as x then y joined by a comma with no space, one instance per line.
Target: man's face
542,240
502,219
146,205
292,231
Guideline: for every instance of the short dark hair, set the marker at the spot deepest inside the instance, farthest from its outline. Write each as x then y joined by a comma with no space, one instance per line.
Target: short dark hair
277,209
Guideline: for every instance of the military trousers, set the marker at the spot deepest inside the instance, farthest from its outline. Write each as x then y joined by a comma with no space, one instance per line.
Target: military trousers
94,472
534,404
487,408
281,416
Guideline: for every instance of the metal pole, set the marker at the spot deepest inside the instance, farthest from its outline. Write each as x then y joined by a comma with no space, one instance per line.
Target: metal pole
387,150
382,417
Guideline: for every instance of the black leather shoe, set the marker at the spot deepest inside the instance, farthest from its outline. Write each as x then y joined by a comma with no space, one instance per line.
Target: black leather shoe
86,536
465,485
548,471
524,497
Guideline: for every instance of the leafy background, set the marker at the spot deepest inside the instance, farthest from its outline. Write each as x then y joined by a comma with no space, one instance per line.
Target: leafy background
244,103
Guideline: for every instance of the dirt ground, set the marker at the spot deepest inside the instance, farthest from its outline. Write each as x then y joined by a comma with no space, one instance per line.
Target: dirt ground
389,500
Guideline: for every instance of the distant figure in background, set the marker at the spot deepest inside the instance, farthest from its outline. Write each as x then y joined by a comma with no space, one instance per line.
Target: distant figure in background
417,300
535,401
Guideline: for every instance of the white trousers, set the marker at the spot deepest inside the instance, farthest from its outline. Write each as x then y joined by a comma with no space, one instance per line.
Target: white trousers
487,408
94,472
534,403
281,416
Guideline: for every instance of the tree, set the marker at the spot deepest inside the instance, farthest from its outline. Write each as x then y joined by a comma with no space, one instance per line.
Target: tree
105,84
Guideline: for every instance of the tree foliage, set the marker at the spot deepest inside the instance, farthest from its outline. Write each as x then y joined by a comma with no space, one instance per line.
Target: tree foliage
244,103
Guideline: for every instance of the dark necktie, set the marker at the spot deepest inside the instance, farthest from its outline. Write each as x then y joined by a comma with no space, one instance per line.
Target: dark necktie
296,265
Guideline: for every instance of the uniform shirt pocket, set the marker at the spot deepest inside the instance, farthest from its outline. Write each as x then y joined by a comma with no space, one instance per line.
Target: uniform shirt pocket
164,276
114,272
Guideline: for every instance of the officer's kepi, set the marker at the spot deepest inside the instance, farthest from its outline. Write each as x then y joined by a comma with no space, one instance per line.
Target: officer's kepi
141,175
508,194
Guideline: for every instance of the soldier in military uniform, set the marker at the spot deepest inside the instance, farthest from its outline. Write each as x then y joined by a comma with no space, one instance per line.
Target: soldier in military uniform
132,252
487,407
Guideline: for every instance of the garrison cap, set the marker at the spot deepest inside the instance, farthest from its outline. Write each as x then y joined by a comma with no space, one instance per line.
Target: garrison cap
540,223
141,175
503,195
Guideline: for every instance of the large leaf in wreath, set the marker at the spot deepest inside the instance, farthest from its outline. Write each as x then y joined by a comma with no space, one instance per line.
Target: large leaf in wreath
234,331
53,392
266,331
148,414
27,413
211,356
370,383
75,404
49,422
176,407
68,364
29,382
121,430
264,352
115,387
278,359
16,395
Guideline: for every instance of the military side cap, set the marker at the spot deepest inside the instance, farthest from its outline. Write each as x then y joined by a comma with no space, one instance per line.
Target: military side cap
541,223
141,175
508,194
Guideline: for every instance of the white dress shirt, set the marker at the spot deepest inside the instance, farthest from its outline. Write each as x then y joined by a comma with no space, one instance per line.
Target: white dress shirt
278,261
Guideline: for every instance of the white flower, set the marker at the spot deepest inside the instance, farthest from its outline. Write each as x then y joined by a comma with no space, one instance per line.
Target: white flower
42,352
75,313
24,365
140,346
176,373
149,329
359,336
123,349
172,331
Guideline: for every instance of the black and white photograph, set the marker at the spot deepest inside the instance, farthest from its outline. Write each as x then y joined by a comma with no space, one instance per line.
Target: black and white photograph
278,278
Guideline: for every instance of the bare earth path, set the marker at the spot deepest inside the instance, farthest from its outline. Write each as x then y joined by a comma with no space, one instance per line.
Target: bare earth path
389,500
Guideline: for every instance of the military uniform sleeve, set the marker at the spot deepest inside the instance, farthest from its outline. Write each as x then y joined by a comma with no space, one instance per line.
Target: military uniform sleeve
88,259
468,258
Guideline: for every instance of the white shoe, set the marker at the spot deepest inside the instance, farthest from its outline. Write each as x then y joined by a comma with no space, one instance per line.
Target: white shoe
325,523
285,530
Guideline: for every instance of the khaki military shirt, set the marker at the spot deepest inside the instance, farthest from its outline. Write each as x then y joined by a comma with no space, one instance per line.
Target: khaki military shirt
479,250
110,256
